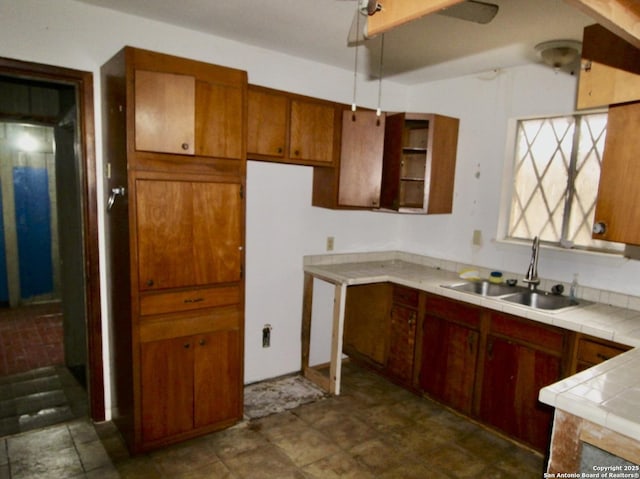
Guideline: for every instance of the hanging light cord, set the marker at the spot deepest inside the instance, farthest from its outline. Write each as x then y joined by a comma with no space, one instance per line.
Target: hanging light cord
355,66
378,111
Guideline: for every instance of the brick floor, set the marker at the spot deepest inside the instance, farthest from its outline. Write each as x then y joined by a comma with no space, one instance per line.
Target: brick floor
31,337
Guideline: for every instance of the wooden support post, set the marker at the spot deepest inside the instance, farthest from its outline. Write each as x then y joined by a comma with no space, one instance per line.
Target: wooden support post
335,368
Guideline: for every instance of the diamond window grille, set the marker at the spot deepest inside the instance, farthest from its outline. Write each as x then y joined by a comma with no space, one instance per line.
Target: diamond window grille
557,166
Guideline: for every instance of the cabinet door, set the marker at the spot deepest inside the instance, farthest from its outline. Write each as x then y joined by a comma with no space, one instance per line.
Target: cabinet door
189,233
361,159
618,190
165,112
513,376
610,69
312,131
449,357
166,369
402,343
267,123
218,381
219,125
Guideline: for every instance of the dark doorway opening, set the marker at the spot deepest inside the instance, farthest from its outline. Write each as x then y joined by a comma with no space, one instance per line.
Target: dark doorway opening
60,269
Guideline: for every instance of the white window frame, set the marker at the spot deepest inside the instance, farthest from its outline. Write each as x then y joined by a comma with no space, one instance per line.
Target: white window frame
508,186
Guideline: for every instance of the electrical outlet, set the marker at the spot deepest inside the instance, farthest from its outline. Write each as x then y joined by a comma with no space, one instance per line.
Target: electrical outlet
477,238
330,241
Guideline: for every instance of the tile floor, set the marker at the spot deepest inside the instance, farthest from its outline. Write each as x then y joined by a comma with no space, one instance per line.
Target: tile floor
373,430
30,337
39,398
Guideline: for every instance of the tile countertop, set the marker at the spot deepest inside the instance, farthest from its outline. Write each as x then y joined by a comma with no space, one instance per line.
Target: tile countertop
607,394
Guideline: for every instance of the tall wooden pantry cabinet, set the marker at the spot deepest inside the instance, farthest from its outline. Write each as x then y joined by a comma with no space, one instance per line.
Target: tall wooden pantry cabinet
175,159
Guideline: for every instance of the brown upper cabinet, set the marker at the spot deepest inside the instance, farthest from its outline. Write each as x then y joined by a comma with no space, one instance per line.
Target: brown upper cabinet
184,115
288,128
610,69
401,162
419,163
616,218
356,179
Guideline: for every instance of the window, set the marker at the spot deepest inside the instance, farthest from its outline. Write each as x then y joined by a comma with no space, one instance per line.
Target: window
556,171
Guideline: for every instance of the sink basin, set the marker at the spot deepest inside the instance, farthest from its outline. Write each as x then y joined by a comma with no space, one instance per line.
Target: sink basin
486,288
542,300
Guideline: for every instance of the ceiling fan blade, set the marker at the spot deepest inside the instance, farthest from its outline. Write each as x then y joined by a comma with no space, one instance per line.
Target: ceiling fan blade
472,11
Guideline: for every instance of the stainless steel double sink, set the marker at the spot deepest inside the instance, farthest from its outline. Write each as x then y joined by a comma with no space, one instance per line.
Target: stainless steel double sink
517,294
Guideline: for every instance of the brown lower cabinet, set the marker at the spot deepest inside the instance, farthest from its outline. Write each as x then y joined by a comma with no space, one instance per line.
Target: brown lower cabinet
485,364
189,383
521,357
450,341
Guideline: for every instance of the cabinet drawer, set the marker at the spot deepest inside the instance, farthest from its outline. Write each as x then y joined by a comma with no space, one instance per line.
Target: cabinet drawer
538,335
159,303
192,323
592,352
453,311
408,296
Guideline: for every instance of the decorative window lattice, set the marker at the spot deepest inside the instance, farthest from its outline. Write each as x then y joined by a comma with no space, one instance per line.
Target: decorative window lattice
556,172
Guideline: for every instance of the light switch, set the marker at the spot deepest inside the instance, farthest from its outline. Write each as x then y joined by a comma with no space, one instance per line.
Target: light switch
330,240
477,238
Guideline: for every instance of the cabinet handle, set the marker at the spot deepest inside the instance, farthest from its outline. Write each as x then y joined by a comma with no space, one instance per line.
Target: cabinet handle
490,349
603,357
115,192
470,342
185,146
599,228
194,300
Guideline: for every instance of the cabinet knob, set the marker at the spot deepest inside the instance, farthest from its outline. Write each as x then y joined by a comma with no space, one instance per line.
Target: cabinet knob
599,228
280,149
185,146
296,153
186,345
150,282
202,342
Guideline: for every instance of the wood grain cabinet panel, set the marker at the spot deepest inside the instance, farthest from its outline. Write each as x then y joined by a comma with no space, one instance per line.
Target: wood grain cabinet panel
219,120
167,388
618,190
449,359
610,69
180,114
165,112
513,376
189,233
287,128
218,389
521,357
268,125
402,338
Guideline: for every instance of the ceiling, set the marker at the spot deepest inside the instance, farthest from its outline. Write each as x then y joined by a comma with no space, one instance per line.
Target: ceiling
432,48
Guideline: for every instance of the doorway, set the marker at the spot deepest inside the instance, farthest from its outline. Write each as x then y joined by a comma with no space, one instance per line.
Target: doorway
49,269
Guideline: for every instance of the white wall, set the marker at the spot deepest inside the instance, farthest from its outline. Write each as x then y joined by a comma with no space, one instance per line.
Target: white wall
485,104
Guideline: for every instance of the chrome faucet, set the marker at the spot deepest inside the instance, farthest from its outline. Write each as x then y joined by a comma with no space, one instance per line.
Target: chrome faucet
531,277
